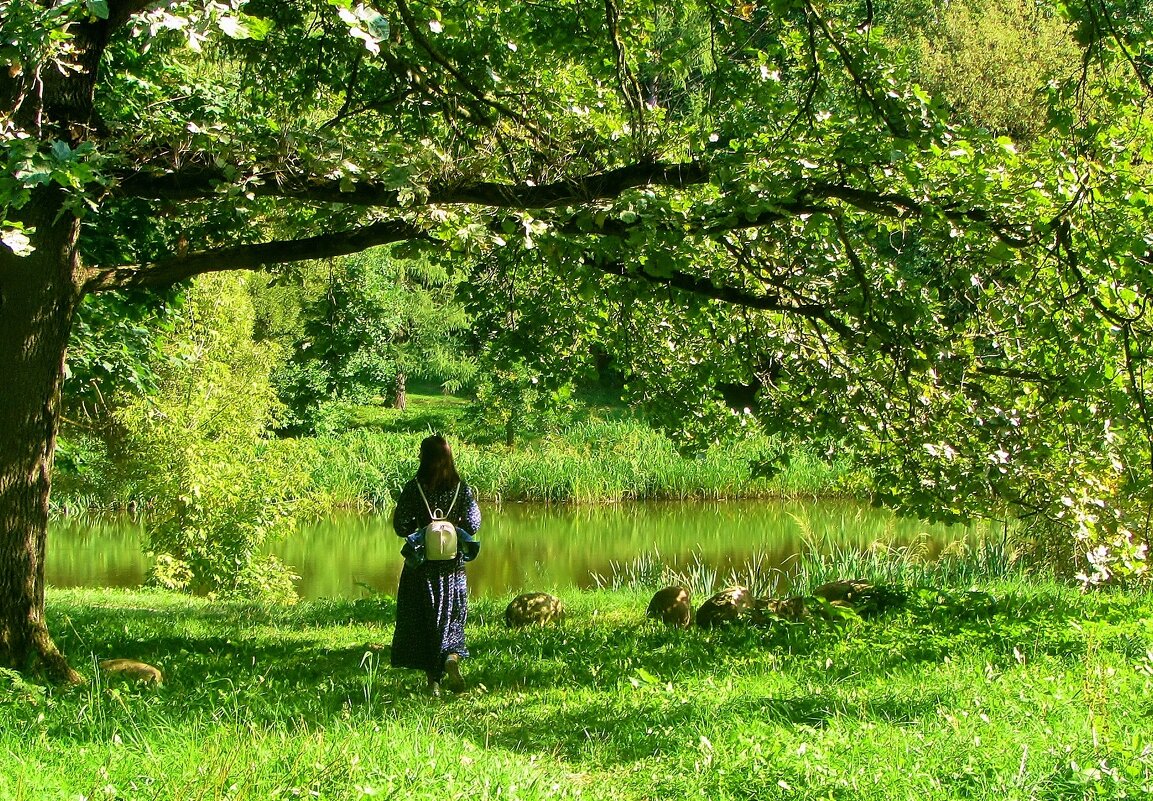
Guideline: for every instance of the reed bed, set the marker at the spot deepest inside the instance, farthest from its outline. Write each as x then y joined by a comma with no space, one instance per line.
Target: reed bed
595,462
962,563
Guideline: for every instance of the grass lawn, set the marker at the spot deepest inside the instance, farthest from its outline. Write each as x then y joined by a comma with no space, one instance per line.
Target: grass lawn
1014,691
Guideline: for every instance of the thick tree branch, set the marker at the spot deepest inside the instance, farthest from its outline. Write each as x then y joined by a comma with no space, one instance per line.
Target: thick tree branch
250,257
738,297
199,182
891,204
885,204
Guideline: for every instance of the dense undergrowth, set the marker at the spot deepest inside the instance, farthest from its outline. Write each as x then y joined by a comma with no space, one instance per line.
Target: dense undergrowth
1001,687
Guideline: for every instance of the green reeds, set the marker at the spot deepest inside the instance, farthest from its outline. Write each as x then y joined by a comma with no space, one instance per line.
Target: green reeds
962,563
592,462
649,572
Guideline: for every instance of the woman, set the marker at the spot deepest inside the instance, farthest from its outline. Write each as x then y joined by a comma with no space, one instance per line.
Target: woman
432,599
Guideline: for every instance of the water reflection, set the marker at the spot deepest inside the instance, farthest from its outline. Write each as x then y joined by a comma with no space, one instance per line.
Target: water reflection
528,547
95,553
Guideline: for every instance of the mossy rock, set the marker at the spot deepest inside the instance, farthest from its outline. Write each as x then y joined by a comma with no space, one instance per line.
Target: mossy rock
844,590
133,670
534,609
672,606
727,606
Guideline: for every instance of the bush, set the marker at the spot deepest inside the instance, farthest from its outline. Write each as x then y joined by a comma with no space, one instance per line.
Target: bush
198,454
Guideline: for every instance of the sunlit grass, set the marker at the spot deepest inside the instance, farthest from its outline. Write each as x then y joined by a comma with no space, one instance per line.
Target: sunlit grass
1011,688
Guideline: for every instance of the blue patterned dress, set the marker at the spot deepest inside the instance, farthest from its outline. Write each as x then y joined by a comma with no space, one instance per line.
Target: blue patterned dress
432,599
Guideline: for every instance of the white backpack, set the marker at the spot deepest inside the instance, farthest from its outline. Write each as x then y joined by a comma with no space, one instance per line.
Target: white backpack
439,535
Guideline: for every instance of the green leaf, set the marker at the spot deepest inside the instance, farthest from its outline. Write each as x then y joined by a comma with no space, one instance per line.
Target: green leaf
258,27
645,678
1000,253
97,8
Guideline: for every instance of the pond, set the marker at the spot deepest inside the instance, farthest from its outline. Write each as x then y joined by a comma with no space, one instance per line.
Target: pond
529,547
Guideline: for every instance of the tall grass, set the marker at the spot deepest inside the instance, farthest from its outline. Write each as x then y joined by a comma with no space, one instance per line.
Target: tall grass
592,462
649,572
963,563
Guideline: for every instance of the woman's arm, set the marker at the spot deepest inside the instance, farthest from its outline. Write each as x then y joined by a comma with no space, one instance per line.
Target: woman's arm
406,518
469,516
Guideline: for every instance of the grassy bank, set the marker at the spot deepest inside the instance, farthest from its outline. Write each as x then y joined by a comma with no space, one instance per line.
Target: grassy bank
1014,689
592,461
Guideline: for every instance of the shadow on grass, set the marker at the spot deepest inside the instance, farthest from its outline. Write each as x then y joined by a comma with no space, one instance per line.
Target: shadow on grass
419,421
614,692
276,663
645,723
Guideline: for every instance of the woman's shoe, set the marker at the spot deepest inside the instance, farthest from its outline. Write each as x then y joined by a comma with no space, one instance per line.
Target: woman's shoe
433,688
452,678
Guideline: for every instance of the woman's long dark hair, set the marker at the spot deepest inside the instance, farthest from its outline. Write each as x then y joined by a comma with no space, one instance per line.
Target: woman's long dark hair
437,469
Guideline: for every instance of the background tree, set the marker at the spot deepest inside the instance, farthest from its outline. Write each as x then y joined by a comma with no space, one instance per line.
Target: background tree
115,349
993,62
196,446
360,327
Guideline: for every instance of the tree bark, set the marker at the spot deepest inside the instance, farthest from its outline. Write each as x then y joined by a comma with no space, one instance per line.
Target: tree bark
400,387
37,300
39,294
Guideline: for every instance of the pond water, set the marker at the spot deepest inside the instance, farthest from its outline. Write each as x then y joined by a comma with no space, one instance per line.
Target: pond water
530,547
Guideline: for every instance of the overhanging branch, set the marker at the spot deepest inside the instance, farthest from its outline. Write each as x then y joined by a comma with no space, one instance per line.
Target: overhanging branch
578,192
813,200
703,287
198,182
164,272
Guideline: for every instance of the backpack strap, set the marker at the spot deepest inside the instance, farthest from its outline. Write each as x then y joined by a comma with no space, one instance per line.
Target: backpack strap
442,515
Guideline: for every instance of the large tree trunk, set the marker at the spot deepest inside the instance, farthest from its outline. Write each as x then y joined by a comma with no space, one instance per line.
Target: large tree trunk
38,296
37,299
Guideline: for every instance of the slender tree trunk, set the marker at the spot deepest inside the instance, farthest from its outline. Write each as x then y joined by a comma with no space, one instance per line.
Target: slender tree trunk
37,300
401,388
